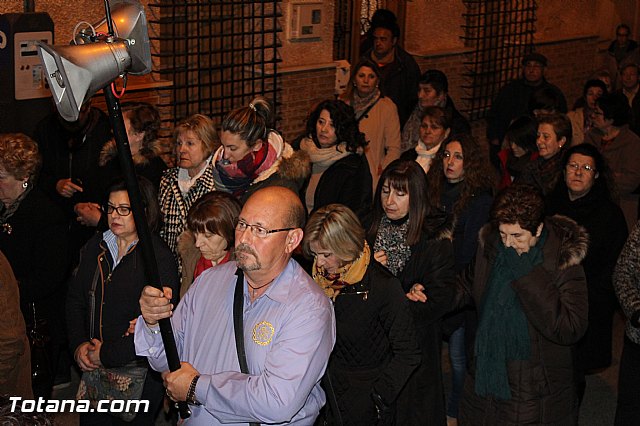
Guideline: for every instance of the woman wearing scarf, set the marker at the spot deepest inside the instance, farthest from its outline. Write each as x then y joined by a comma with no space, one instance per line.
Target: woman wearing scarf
416,247
434,129
181,186
34,238
339,169
209,238
377,117
582,117
461,185
254,156
530,293
375,350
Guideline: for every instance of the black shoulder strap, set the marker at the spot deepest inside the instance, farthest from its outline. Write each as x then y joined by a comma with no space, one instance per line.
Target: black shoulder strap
238,302
238,328
366,111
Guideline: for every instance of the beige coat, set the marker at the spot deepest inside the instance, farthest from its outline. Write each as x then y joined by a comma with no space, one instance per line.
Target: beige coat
381,127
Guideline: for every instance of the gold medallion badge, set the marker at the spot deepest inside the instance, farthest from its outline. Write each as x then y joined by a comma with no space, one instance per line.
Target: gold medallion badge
263,333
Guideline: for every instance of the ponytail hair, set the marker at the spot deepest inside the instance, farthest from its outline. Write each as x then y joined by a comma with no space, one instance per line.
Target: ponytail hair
252,122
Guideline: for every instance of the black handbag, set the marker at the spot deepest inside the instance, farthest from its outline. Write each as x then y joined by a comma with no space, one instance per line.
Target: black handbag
39,340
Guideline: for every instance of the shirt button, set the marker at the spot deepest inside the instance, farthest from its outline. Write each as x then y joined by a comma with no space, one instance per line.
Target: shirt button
152,350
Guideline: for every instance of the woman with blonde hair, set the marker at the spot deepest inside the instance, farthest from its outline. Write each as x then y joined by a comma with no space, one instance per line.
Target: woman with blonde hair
196,140
34,238
376,350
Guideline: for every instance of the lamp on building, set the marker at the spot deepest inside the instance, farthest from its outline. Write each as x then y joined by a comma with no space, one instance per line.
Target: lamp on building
77,72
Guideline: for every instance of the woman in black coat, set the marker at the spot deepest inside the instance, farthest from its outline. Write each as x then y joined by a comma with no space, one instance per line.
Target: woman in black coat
33,237
584,195
113,262
376,349
339,169
416,247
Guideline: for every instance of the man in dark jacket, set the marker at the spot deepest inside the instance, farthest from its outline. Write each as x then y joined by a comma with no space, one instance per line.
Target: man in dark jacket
433,91
513,100
70,153
400,72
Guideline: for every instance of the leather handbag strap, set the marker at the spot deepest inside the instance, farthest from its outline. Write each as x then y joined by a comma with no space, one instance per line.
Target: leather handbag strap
238,327
92,296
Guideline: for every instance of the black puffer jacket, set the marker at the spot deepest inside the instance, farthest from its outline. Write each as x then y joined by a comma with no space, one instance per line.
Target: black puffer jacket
553,297
375,348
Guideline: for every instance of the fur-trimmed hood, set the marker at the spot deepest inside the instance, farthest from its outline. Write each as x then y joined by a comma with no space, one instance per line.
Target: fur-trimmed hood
566,244
110,151
290,164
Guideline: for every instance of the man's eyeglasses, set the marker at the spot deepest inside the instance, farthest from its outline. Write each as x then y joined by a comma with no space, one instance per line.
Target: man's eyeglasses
257,230
574,167
121,210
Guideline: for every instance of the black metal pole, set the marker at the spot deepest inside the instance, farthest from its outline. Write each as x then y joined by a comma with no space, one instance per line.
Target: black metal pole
144,235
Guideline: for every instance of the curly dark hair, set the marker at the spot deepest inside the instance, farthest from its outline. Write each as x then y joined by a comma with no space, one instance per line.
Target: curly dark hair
344,122
519,204
478,173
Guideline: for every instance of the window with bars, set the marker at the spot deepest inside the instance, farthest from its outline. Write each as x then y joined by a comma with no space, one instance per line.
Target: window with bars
218,54
501,34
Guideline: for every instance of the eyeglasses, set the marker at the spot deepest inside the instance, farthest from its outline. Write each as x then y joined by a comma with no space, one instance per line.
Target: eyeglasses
455,155
121,210
574,167
257,230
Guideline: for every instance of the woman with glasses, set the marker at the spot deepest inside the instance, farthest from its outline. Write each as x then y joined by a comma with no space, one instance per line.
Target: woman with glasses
375,350
112,263
585,194
554,132
460,184
415,245
620,147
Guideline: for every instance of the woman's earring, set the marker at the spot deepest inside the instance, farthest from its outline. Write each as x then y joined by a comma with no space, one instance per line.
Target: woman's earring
25,184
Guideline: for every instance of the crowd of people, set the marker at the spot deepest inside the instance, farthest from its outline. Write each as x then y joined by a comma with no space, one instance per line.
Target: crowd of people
315,282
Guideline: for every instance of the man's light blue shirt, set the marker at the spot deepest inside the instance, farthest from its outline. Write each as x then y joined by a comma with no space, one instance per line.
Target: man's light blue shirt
289,333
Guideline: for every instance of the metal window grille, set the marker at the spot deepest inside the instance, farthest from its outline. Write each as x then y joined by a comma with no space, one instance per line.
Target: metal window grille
219,54
501,34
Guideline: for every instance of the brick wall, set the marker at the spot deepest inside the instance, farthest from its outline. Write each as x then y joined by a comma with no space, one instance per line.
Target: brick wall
301,90
571,62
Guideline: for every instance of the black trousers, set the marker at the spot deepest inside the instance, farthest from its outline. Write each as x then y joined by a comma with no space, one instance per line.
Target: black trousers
628,408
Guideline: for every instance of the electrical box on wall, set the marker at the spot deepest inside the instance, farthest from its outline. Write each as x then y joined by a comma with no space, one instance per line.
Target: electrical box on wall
305,21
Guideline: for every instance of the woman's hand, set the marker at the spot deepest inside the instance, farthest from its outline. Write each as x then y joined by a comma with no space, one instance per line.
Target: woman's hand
82,358
417,294
381,257
66,188
155,304
94,353
88,213
132,328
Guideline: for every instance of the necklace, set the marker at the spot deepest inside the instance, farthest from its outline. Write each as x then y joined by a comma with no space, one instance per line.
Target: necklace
255,289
